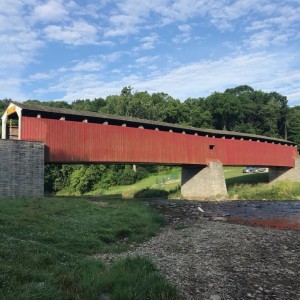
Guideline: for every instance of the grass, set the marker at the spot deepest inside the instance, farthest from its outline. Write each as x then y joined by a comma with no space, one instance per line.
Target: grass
240,186
284,190
168,185
235,176
152,186
46,248
61,221
255,186
164,185
142,281
246,186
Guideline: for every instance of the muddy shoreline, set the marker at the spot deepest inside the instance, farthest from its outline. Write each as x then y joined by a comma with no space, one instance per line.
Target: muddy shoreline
208,256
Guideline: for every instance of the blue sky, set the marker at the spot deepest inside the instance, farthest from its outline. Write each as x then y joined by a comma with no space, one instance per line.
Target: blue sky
68,50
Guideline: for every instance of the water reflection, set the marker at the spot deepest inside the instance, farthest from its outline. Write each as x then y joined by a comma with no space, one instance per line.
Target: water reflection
275,214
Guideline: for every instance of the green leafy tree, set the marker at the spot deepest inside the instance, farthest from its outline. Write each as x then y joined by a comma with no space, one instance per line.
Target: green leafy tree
225,110
84,178
239,90
126,176
95,105
294,125
58,104
174,111
196,113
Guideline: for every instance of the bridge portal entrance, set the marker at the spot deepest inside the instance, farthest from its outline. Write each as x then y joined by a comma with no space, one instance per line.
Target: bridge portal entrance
11,121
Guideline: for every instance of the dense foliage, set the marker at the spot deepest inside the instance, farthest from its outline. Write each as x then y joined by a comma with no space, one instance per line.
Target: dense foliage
239,109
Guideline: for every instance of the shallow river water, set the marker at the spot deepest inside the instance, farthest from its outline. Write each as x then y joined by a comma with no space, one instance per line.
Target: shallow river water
278,214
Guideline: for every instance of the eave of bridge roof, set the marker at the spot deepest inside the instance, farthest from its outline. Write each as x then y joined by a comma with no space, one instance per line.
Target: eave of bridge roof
63,112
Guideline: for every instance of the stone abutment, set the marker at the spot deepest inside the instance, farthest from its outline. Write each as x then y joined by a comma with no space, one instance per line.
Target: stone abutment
21,169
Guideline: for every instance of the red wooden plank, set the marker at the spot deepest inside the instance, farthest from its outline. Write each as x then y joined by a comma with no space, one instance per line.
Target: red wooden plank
69,141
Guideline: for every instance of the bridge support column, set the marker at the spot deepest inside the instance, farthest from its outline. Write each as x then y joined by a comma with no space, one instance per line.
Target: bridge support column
203,182
280,174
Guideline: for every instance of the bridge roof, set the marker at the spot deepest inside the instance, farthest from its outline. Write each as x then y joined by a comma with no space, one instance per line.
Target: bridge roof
96,117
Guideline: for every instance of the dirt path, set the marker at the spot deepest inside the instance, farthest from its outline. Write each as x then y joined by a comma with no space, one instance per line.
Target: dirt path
216,260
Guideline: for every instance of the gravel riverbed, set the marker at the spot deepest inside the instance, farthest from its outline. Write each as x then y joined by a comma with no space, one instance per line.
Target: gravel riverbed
207,257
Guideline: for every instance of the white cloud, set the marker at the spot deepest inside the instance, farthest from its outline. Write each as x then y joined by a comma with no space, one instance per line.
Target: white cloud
10,88
147,42
26,26
16,34
277,28
268,72
185,27
130,17
112,57
144,60
260,70
39,76
19,45
51,11
79,33
89,10
181,10
184,36
106,43
87,66
122,25
24,42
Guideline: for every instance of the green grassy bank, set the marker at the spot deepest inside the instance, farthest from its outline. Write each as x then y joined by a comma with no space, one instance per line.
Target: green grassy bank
255,186
47,246
245,186
159,185
284,190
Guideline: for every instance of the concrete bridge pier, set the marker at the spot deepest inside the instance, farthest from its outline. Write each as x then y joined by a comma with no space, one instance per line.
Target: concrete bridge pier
281,173
203,182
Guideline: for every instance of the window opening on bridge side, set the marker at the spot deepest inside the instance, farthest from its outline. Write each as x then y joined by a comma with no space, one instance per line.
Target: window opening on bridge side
211,146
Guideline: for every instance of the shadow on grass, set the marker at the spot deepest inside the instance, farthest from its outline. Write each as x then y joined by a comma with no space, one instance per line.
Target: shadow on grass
248,179
155,193
151,193
92,198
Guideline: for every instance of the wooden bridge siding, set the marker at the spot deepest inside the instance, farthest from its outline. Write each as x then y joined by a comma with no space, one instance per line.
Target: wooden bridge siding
69,142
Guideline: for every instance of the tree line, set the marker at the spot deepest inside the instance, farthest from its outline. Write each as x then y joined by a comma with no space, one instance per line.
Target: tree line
237,109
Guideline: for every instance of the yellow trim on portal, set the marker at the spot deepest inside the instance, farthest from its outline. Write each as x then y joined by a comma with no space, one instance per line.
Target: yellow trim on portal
11,110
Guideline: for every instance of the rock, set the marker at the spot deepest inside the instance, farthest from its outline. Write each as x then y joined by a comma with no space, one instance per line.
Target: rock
104,296
219,219
222,260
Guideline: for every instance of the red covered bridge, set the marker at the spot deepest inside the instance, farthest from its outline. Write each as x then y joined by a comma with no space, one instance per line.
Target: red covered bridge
72,136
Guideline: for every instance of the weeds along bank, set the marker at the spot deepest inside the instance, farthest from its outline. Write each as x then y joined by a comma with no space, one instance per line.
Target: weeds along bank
166,184
284,190
46,248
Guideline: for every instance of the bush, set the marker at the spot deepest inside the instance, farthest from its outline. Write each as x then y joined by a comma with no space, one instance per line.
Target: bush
126,176
284,190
